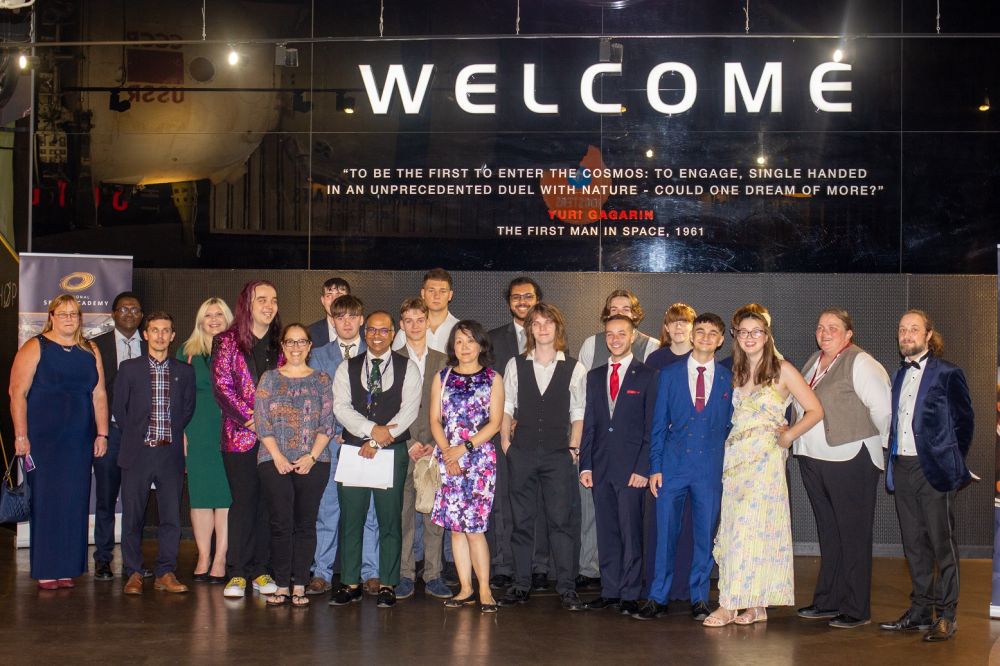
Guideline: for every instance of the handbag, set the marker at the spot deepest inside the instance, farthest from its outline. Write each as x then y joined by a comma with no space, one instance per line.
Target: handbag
15,500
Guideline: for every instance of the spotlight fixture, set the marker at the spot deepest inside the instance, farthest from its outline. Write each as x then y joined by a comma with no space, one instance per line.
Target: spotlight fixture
838,55
985,106
649,152
345,103
299,104
116,103
761,160
234,58
286,57
27,62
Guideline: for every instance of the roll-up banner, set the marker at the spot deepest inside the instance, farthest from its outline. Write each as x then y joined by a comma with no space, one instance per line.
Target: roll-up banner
995,598
94,280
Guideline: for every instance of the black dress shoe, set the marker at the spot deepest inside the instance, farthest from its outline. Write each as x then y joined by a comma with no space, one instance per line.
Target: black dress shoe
583,582
514,597
699,611
600,603
571,602
500,582
539,582
942,630
844,621
386,597
102,571
217,580
650,611
628,607
815,613
907,622
202,577
346,595
147,573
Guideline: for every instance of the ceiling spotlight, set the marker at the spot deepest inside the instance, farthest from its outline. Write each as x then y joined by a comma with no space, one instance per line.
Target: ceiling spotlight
838,55
27,62
985,106
345,103
761,160
299,104
116,103
234,57
649,152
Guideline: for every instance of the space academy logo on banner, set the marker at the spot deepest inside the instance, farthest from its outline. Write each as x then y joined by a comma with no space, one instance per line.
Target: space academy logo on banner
94,280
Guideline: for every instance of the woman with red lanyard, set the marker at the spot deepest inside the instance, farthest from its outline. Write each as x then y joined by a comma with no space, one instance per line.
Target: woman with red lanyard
840,459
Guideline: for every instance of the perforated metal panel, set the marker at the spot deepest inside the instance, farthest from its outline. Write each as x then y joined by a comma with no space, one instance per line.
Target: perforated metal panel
964,309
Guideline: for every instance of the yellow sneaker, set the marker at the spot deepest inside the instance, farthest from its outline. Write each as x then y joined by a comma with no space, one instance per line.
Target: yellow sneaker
265,584
235,588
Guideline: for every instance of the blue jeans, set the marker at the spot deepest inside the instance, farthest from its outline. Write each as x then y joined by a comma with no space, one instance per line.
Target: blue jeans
327,530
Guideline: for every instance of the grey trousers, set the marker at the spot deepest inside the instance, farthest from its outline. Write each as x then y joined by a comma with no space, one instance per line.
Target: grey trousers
589,562
433,535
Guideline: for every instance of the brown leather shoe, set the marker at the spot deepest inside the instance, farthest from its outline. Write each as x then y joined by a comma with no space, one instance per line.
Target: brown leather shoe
318,586
168,583
941,630
134,584
372,586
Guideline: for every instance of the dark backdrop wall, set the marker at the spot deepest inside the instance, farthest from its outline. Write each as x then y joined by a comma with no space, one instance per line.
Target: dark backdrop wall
964,308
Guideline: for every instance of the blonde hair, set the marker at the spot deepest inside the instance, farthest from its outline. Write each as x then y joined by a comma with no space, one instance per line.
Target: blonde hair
78,338
199,343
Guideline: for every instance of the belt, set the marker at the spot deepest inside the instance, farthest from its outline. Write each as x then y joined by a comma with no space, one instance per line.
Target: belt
159,442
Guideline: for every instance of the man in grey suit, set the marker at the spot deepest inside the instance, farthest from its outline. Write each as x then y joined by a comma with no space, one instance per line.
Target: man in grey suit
324,330
413,322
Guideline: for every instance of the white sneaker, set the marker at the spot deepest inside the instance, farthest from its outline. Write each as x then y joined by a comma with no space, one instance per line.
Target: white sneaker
235,588
265,584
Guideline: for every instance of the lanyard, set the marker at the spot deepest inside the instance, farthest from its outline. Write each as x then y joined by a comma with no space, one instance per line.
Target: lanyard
817,375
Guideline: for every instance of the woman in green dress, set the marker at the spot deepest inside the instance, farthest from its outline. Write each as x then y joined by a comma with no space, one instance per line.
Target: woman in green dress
207,485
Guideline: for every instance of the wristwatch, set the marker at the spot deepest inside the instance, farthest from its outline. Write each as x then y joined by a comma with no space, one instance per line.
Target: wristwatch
372,443
469,446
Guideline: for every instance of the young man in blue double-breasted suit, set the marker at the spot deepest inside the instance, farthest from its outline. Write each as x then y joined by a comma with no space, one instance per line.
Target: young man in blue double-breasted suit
614,462
929,437
693,415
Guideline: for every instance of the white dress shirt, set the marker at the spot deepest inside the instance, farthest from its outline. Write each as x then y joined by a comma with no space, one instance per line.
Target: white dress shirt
436,340
586,355
359,424
871,384
419,359
907,446
126,348
354,350
543,375
692,367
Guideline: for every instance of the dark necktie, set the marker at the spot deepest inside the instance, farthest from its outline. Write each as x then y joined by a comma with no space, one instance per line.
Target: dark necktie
347,350
615,384
699,390
375,379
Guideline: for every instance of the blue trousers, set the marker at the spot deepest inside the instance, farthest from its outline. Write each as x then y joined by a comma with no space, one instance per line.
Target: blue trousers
328,527
704,493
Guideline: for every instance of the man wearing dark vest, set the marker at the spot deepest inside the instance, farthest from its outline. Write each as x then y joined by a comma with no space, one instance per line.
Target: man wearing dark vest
547,389
594,353
376,396
840,459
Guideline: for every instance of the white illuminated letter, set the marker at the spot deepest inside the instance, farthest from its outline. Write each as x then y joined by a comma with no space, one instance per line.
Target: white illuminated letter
653,87
396,76
463,88
529,93
736,76
817,86
587,87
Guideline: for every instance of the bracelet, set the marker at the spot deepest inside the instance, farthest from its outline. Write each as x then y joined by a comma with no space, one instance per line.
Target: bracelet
313,458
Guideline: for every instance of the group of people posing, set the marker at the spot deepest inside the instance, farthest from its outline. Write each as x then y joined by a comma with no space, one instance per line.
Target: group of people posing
639,466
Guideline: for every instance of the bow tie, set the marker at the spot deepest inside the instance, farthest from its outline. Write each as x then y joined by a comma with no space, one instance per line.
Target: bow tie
913,364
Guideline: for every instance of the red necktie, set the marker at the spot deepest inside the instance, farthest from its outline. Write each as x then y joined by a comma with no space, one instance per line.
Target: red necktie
614,381
699,391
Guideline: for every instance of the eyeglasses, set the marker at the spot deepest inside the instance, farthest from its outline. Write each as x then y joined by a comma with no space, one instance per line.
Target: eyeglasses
370,330
297,343
743,333
66,315
522,297
129,310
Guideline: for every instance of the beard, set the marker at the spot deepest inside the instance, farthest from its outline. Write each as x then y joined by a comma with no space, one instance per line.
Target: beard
914,349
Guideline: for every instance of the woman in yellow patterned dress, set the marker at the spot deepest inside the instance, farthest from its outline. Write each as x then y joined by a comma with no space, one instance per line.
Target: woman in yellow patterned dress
753,546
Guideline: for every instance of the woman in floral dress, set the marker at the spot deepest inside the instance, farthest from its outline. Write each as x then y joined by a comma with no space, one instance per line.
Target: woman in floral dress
753,546
465,413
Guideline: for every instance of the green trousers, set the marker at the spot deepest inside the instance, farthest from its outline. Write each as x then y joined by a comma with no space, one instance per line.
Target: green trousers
354,503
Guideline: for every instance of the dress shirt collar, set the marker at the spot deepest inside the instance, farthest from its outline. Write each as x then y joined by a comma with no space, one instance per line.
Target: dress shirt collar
560,356
384,357
417,358
625,362
693,365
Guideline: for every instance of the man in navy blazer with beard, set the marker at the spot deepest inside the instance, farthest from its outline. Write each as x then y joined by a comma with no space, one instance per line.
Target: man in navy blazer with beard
614,461
929,437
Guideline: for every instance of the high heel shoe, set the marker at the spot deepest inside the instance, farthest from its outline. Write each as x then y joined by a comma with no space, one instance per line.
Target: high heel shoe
455,602
202,577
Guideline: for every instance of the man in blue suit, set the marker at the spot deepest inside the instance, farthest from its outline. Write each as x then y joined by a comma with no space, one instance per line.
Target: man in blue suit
614,462
693,415
929,437
347,314
154,401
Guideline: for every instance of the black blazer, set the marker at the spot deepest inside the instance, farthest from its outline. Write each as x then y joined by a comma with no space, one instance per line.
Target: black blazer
504,340
109,359
320,333
616,447
943,422
134,401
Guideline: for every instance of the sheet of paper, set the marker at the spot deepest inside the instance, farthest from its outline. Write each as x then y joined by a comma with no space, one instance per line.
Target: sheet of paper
353,470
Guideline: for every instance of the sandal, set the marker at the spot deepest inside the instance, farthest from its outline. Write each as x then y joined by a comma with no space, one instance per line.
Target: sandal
455,602
751,616
720,617
277,600
300,600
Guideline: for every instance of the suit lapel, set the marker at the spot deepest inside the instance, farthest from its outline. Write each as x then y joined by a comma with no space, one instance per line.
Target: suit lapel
929,378
628,381
718,388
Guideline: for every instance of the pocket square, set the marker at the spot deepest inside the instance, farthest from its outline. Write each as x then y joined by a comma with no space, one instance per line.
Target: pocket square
632,392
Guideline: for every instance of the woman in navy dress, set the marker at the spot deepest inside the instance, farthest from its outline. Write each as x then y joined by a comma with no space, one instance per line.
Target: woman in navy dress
60,414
